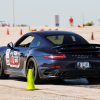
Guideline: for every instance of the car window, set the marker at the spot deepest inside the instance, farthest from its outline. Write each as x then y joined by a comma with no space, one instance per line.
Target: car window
29,41
56,39
36,43
25,41
66,39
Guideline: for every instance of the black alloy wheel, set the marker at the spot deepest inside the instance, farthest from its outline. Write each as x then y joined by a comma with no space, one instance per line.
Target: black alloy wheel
32,64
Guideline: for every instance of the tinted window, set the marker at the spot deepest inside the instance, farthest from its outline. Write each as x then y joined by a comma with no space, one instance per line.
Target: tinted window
66,39
36,43
24,42
27,40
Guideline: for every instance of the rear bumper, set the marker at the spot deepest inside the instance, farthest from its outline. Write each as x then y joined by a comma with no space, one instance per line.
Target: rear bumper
78,73
68,68
70,73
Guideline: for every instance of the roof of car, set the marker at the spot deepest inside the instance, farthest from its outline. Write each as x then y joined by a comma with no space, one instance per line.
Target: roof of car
51,32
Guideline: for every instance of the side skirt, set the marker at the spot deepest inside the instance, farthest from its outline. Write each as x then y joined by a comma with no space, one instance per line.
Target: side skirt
15,72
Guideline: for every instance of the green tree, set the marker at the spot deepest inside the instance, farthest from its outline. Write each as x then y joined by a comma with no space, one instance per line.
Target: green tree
89,24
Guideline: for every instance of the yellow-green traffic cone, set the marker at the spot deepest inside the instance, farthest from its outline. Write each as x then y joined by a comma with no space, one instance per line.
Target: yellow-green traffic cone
30,81
29,29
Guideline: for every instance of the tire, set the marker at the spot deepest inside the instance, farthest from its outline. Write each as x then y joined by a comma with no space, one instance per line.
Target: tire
58,81
32,64
2,74
94,80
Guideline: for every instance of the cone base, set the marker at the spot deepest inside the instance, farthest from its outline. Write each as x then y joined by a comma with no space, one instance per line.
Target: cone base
31,89
91,39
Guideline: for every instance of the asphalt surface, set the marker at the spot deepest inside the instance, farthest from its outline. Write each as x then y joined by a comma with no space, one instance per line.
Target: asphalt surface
68,89
80,82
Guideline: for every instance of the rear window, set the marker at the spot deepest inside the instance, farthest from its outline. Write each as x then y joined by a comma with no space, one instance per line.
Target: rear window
66,39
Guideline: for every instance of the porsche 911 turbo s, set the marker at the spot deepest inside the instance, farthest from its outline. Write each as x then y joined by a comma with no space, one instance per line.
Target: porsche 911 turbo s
51,55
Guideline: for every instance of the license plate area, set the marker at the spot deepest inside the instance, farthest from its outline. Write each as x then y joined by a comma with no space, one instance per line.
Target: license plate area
83,65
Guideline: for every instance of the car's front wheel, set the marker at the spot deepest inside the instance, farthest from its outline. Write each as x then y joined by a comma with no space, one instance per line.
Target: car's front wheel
32,64
93,79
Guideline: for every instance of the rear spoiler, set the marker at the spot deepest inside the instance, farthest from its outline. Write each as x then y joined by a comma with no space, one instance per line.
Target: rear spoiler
79,50
76,45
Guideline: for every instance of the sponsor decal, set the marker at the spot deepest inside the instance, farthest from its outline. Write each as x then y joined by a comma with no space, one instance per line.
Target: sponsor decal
7,56
38,43
15,52
13,58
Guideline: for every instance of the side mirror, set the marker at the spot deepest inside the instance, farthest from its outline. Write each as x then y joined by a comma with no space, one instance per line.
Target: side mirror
10,45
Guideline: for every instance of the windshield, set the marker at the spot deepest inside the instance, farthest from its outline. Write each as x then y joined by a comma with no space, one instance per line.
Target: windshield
66,39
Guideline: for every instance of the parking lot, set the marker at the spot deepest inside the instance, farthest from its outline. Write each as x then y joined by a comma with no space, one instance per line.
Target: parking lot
68,89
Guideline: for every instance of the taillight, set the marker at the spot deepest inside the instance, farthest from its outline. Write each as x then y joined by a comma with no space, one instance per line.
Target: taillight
54,67
98,54
56,56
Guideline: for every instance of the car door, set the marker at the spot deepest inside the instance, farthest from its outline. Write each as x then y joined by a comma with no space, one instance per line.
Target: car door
15,57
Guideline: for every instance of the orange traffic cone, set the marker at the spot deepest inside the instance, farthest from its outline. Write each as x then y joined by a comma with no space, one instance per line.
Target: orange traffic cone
80,26
56,29
7,31
20,31
49,29
42,29
92,38
33,30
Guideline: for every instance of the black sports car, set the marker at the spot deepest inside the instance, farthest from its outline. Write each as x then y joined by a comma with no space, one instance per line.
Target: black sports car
51,55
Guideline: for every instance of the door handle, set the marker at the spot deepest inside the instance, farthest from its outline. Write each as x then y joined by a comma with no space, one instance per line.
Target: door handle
21,54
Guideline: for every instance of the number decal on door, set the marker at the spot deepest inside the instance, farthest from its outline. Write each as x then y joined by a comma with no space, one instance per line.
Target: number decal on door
13,59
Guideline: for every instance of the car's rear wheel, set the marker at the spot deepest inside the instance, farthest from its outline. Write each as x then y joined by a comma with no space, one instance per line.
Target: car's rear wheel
2,74
32,64
94,80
